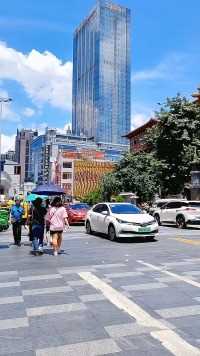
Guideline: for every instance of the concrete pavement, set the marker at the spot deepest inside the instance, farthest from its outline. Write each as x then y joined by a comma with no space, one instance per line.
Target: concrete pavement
101,297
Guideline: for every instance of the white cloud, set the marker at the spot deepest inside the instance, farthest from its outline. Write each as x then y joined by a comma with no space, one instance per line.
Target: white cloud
44,77
138,120
140,115
170,67
28,112
7,142
63,130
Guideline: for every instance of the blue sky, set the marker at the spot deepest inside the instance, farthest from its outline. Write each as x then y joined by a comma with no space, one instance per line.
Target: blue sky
36,58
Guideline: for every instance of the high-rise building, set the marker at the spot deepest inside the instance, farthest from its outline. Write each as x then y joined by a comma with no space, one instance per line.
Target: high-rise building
101,74
23,142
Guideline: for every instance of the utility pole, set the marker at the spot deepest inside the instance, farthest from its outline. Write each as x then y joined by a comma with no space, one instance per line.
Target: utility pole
2,102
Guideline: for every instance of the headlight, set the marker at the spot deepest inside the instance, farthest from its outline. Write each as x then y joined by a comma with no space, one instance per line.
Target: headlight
123,222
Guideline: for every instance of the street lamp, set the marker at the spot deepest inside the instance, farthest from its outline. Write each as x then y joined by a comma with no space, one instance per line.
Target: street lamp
2,102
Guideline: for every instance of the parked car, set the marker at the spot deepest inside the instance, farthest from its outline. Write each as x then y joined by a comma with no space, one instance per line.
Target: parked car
77,212
120,220
181,213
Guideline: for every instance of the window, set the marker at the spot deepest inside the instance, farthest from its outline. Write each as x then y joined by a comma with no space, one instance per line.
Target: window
194,204
175,205
79,206
17,170
67,175
98,208
67,164
124,209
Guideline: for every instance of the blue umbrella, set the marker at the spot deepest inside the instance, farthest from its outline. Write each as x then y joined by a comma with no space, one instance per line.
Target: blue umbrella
48,189
31,197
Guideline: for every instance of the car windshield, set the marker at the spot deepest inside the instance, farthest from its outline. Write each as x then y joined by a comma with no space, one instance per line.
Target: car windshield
79,206
124,209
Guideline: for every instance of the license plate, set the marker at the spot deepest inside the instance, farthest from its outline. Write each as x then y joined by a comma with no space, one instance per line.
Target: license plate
144,229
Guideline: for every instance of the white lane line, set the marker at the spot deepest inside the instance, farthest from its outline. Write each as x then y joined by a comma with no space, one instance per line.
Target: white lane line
177,276
170,340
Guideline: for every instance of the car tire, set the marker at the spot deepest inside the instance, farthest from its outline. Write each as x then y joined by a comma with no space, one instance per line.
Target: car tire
157,217
180,222
88,228
112,233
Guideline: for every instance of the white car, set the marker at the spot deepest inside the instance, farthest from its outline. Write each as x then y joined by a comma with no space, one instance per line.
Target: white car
181,213
158,204
120,220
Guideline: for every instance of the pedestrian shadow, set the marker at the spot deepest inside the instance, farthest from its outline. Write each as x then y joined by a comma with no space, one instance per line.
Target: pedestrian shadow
48,251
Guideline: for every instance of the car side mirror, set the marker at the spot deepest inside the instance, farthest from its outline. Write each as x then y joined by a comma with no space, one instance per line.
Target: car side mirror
104,213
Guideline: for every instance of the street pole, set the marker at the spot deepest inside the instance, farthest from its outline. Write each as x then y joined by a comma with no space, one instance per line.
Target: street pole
2,102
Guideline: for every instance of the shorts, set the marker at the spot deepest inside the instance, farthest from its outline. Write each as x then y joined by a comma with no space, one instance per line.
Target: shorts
56,232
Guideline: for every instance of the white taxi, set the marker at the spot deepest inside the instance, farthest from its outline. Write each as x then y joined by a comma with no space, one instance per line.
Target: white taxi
118,220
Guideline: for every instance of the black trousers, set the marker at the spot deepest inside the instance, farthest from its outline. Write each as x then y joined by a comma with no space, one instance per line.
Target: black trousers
17,232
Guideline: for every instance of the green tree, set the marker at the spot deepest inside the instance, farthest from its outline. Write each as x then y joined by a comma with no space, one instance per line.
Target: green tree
111,184
138,173
176,141
92,198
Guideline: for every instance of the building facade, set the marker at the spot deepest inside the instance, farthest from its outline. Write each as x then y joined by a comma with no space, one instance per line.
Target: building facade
11,175
102,73
45,149
81,172
196,96
23,142
9,155
137,136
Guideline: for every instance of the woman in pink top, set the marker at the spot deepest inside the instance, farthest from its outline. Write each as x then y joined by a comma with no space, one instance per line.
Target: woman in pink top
57,217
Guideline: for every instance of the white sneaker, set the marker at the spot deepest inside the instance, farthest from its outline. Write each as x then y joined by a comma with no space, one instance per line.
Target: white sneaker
55,253
40,248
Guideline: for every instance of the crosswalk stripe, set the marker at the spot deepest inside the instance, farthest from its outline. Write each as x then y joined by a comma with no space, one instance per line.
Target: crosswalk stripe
162,270
169,339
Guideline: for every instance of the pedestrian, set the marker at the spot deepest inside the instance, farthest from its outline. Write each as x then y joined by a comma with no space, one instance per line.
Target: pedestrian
57,218
38,224
47,235
25,214
16,221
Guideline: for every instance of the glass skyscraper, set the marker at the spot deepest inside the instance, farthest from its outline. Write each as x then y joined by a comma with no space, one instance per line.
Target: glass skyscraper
102,74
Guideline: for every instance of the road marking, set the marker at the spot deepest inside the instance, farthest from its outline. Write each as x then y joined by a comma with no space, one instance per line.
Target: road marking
170,340
54,309
162,270
186,241
90,348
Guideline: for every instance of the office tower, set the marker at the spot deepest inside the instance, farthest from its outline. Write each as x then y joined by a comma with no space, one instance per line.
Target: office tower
23,152
101,74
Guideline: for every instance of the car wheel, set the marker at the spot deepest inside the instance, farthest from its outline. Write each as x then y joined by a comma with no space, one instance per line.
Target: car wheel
180,222
111,233
157,217
88,228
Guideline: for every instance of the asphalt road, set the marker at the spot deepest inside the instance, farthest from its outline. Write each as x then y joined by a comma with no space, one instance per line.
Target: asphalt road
100,297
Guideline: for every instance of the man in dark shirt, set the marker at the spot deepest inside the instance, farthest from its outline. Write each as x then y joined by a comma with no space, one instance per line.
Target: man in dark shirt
38,224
